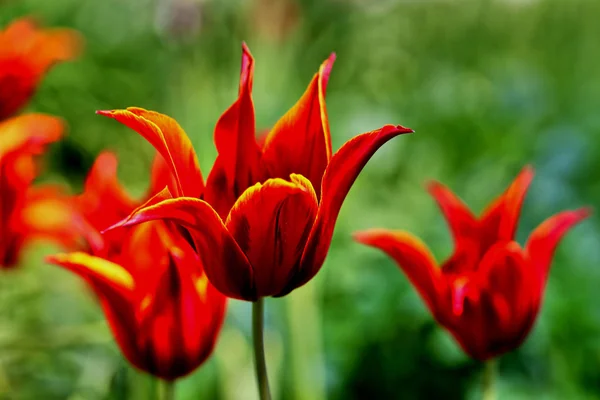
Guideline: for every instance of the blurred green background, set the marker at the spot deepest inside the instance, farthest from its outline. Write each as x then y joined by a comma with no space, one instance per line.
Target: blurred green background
489,86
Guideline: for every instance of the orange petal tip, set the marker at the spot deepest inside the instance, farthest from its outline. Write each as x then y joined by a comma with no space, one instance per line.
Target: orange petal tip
367,236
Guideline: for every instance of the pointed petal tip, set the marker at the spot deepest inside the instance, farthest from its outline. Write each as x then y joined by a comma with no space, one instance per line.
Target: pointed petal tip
526,175
122,223
105,113
396,129
369,236
54,258
583,213
433,186
246,54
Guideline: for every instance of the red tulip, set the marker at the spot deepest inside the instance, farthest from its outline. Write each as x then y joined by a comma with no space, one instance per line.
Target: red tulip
26,54
163,312
488,293
264,223
29,212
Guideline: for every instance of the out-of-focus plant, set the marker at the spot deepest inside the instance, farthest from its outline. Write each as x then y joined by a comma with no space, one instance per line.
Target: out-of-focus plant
489,292
163,312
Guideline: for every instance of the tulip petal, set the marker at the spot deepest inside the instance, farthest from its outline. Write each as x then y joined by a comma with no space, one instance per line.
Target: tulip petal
49,213
506,276
461,221
115,287
104,200
26,53
500,220
161,176
271,222
300,142
545,238
339,176
412,256
29,133
225,264
237,166
498,317
105,275
169,139
175,321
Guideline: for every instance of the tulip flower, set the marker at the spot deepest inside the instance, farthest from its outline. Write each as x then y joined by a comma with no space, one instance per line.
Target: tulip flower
163,312
263,224
271,209
489,292
26,54
29,212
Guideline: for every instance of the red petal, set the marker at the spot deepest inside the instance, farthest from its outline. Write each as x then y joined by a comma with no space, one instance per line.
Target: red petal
544,239
507,277
26,52
169,139
500,220
225,264
178,327
49,213
238,164
460,220
107,276
104,201
339,176
300,142
271,223
498,317
115,288
29,133
161,176
413,257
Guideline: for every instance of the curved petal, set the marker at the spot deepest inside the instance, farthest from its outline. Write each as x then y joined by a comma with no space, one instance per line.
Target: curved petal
105,275
543,240
499,315
50,214
177,326
26,53
104,200
41,47
412,256
271,222
500,220
161,176
238,164
461,221
169,139
115,289
505,274
339,176
300,142
225,264
29,133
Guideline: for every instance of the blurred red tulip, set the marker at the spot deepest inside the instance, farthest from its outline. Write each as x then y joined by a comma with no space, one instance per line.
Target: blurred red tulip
488,293
264,223
163,312
28,212
26,54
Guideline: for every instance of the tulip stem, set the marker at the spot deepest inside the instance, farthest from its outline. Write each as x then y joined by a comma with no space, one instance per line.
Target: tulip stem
260,364
166,390
489,377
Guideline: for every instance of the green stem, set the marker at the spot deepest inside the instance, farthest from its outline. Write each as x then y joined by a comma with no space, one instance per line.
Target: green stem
260,364
489,378
166,390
